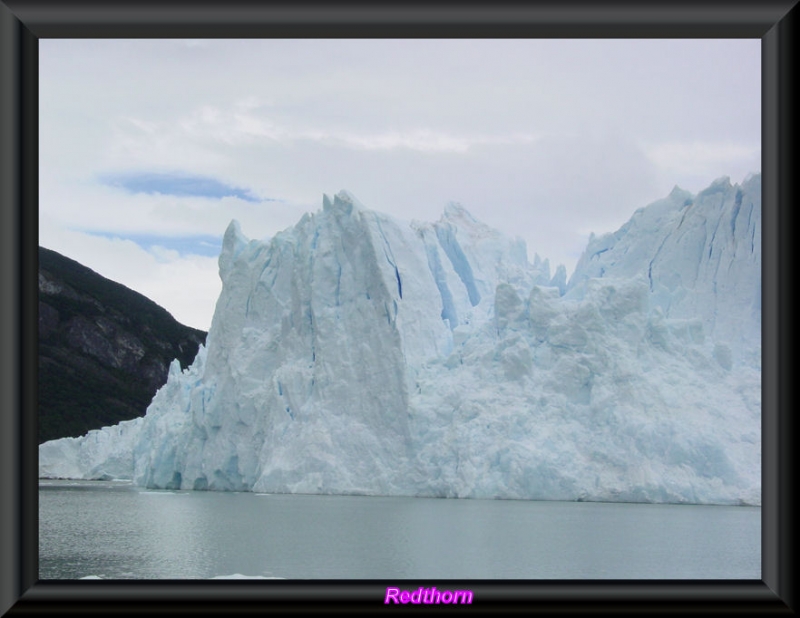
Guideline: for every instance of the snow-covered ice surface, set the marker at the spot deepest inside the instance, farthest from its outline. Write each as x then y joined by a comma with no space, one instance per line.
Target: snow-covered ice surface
356,354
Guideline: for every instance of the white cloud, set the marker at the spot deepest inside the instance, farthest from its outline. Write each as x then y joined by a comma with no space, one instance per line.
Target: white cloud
425,140
186,286
192,43
239,124
701,157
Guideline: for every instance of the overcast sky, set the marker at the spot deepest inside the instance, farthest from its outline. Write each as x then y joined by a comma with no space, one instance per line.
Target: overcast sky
148,148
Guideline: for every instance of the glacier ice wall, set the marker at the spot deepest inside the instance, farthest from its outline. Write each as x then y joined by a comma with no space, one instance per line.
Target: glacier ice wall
356,354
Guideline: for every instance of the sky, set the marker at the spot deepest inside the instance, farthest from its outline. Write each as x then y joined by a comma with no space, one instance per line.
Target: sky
148,148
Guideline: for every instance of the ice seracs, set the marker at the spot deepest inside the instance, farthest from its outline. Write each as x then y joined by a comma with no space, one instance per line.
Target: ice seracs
701,256
357,354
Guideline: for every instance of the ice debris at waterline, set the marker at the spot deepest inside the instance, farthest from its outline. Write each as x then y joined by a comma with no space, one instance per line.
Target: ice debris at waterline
355,354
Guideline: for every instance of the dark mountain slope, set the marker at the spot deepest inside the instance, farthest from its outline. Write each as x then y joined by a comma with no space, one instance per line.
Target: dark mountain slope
104,349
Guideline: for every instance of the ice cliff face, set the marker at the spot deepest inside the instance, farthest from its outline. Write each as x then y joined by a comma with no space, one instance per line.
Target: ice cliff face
356,354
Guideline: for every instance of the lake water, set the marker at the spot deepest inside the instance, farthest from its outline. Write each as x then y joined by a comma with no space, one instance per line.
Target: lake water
118,531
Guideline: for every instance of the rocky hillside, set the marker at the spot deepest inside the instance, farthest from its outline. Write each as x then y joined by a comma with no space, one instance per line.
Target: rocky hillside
104,349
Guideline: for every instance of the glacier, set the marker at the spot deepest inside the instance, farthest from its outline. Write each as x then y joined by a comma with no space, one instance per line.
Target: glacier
354,353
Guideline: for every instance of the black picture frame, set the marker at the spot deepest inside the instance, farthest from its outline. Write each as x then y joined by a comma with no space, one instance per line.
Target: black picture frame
23,22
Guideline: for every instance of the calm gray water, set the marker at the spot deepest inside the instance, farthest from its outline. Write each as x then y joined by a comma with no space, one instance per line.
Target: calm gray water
115,530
